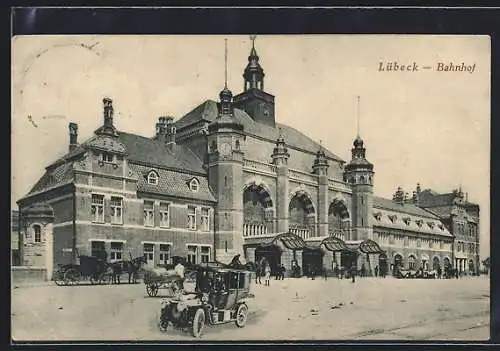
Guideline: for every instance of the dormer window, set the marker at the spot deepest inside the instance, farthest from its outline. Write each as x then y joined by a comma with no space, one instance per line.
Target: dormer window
377,215
153,178
440,226
407,220
393,218
107,157
419,222
194,185
431,225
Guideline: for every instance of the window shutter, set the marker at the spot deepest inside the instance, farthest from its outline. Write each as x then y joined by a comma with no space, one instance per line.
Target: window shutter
107,210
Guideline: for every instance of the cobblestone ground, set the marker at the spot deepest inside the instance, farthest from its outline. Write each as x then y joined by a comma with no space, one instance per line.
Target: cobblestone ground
293,309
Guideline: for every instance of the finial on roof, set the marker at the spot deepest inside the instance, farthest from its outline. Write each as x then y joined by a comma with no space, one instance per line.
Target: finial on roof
225,63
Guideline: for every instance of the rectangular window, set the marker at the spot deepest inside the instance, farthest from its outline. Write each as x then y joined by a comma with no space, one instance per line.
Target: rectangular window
107,157
205,254
116,251
191,218
116,210
164,254
205,220
97,248
149,213
38,233
149,253
164,215
192,253
97,210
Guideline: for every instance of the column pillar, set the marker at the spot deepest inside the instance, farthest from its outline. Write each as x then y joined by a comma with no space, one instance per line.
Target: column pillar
282,198
49,250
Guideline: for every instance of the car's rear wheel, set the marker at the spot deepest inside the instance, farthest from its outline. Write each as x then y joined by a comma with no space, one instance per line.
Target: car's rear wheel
198,322
241,316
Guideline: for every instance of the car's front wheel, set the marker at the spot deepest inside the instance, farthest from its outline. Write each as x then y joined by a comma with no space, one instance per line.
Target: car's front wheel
198,322
241,316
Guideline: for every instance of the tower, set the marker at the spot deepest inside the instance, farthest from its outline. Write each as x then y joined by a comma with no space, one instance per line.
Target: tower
320,168
225,174
359,175
280,158
254,100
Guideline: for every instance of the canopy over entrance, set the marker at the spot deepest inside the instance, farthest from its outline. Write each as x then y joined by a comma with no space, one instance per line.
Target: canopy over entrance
370,247
334,244
289,240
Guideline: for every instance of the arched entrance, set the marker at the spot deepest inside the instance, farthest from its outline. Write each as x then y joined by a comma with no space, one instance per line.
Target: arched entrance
446,262
412,265
312,261
436,264
301,213
397,264
257,210
382,265
348,259
424,262
272,253
338,219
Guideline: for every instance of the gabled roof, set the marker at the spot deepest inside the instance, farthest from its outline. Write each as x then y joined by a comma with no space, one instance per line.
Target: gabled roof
172,183
154,152
208,112
408,208
55,175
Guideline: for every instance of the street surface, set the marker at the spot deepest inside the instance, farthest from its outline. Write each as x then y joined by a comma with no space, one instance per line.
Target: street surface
293,309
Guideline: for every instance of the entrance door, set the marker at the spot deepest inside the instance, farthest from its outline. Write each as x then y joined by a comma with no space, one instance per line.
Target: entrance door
149,254
272,254
312,261
348,259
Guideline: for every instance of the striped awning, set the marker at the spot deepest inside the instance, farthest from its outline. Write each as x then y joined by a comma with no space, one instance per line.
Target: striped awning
289,240
336,244
370,247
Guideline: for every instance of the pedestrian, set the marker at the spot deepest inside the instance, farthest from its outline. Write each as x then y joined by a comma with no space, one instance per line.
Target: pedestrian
312,272
325,275
179,270
342,272
376,271
267,274
353,273
363,270
336,271
439,272
282,272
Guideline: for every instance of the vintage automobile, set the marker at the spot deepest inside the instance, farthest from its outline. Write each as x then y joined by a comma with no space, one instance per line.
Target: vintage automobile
220,296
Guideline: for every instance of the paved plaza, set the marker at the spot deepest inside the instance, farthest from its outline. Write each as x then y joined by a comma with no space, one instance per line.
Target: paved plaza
293,309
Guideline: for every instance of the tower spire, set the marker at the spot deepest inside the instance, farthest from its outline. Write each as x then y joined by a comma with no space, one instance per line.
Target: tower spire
358,103
225,63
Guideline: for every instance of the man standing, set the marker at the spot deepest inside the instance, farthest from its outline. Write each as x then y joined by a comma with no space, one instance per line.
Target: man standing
282,272
353,273
179,270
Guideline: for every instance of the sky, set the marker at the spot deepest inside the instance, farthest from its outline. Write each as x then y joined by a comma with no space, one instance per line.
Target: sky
429,127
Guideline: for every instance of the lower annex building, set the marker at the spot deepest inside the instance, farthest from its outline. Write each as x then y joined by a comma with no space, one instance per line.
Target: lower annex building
227,179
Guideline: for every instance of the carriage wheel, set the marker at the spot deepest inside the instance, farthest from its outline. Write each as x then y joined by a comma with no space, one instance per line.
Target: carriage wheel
71,277
152,289
241,315
58,278
198,322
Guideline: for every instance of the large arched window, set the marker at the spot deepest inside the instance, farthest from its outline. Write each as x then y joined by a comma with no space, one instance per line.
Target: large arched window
301,214
257,210
338,217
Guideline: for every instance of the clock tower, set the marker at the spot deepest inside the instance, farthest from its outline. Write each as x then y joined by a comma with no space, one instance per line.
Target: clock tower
254,100
225,142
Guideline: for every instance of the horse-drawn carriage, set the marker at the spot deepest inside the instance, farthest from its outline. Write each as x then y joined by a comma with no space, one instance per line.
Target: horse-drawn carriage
91,268
416,274
219,296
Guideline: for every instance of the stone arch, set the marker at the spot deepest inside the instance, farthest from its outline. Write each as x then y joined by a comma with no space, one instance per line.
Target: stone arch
412,261
436,262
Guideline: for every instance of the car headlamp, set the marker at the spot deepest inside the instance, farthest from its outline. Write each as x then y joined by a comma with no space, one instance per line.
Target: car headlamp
204,298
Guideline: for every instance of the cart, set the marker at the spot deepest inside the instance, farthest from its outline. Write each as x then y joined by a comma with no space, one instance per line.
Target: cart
91,268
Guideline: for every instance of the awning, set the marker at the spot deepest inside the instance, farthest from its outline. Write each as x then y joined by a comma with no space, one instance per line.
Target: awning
370,247
289,240
334,244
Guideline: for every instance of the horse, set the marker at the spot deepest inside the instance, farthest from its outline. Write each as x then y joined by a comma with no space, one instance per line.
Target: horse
131,267
259,269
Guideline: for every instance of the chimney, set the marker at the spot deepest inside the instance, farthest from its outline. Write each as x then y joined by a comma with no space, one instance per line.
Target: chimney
418,188
108,112
73,136
170,133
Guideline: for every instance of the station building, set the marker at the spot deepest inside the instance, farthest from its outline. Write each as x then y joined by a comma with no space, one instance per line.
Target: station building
226,179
